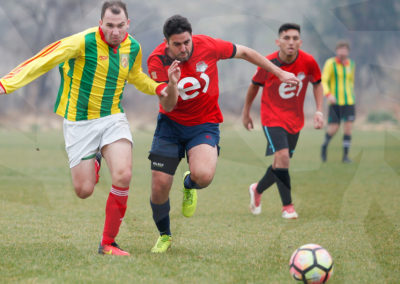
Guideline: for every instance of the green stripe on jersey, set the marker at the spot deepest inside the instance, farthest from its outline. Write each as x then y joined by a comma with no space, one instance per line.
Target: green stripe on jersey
344,85
135,47
134,50
71,64
61,89
111,82
88,74
336,82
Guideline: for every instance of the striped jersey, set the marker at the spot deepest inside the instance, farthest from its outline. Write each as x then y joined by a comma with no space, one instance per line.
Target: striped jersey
93,74
338,80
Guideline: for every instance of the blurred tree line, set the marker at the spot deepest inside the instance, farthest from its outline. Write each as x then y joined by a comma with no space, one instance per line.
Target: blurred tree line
372,27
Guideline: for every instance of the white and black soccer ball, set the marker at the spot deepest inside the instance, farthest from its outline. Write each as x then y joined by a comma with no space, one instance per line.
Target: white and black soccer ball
311,264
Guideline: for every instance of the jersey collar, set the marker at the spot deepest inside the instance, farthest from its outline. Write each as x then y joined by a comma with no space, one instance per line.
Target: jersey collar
282,63
115,48
345,63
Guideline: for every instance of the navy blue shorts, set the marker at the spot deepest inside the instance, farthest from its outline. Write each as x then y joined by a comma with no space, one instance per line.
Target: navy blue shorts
172,140
278,139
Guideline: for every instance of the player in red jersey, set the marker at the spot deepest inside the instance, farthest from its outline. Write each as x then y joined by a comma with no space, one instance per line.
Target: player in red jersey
282,114
191,124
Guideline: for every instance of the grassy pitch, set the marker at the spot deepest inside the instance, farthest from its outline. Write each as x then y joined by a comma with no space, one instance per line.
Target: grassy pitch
48,235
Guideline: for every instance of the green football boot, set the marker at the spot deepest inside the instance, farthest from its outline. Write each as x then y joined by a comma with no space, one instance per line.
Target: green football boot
162,245
189,202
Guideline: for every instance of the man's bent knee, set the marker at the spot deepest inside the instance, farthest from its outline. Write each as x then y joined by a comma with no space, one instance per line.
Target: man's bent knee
202,178
84,191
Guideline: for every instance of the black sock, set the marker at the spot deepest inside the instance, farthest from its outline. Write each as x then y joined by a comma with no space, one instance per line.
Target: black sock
346,145
283,182
266,181
161,217
327,140
190,184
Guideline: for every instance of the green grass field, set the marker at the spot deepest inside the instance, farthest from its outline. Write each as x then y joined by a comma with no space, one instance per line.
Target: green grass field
48,235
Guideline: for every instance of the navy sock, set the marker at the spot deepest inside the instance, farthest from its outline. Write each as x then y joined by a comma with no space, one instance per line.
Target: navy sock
327,140
190,184
284,187
266,181
161,217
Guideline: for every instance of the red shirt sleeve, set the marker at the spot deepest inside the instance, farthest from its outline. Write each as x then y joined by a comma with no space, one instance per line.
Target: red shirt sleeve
315,71
156,70
260,77
224,49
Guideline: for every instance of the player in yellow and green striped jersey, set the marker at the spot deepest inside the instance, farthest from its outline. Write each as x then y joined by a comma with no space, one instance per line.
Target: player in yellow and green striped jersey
338,83
95,66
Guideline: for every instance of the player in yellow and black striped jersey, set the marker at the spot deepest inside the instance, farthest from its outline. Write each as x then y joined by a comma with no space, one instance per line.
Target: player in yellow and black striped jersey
338,83
95,66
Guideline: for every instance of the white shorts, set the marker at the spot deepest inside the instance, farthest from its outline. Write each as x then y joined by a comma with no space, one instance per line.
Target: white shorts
83,139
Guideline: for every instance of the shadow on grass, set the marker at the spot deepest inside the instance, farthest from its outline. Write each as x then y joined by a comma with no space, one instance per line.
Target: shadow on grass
18,187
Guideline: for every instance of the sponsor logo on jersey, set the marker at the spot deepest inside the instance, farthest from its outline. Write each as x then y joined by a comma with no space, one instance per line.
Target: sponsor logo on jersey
103,57
190,87
287,91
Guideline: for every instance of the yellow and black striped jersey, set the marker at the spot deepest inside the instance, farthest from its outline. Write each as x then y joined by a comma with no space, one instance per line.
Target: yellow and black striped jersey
93,74
338,80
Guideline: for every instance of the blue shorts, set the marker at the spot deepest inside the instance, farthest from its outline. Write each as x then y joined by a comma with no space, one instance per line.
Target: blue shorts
172,140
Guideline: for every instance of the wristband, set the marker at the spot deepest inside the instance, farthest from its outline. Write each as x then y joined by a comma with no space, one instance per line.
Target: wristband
319,112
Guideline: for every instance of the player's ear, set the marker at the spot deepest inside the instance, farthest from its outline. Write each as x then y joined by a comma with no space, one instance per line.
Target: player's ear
277,42
100,23
301,43
166,42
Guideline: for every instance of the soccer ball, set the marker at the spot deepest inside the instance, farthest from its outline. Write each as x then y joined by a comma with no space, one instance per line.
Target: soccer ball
311,264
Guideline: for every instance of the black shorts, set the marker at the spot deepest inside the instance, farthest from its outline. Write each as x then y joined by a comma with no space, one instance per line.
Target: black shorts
338,113
278,139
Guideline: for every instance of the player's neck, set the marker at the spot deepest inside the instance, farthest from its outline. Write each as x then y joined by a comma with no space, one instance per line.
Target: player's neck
287,58
342,60
169,54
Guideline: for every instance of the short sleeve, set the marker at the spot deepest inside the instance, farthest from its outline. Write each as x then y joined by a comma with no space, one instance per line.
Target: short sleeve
156,69
315,72
224,49
260,77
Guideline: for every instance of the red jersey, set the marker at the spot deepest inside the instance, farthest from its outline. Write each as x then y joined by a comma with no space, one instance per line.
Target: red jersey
198,85
281,104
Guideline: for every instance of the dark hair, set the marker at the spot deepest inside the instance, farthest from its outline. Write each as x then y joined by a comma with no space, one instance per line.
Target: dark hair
343,43
115,6
176,25
288,26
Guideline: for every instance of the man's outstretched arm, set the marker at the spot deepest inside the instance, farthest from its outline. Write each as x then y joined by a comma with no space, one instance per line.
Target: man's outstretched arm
249,54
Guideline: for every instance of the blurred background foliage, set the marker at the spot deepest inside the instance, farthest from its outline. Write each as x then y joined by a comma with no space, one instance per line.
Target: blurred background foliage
372,27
